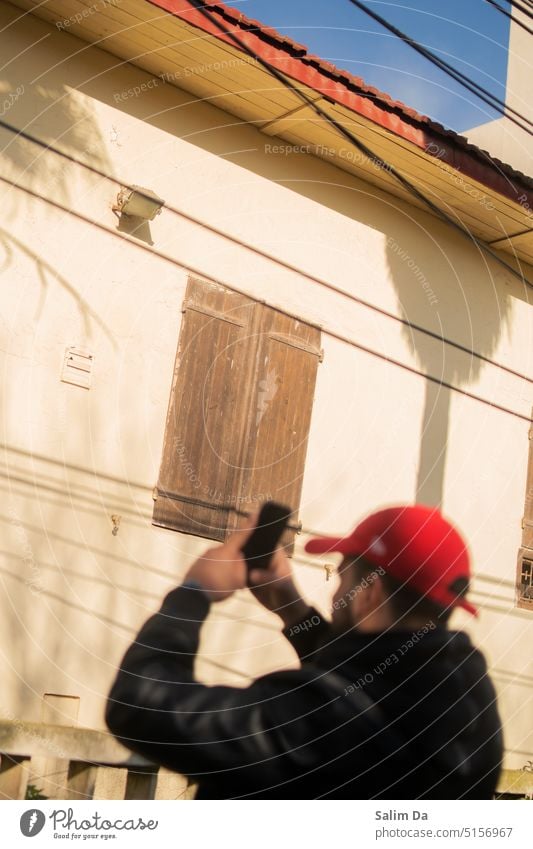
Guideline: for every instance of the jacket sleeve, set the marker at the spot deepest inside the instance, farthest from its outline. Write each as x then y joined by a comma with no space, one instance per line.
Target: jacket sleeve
245,738
309,635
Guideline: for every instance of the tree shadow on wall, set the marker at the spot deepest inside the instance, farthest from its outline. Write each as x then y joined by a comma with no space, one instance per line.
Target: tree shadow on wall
53,115
47,276
457,296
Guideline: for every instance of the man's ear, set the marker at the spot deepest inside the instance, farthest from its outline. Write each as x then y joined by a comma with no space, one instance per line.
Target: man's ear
374,597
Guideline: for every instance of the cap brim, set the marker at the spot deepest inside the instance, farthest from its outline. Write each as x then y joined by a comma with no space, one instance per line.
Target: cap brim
348,545
329,545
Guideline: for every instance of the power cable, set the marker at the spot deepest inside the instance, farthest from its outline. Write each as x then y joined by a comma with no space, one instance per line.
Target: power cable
328,332
373,157
318,280
475,88
509,15
526,6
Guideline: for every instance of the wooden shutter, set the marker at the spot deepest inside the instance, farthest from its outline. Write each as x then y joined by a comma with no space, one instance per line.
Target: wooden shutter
239,413
206,416
279,417
525,554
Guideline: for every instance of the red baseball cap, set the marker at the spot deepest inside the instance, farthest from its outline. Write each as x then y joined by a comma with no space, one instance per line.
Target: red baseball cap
415,545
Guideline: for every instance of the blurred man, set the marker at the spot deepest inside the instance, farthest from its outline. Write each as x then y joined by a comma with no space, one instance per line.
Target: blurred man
387,702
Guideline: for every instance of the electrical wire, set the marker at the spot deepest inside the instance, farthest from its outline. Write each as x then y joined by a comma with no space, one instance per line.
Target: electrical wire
474,88
327,331
373,157
527,9
509,15
314,279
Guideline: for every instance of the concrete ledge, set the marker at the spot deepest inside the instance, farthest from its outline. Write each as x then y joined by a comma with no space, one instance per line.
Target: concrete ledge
67,742
516,781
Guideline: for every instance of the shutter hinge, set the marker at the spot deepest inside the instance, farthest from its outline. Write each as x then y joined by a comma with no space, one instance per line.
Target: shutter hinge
155,493
321,356
190,305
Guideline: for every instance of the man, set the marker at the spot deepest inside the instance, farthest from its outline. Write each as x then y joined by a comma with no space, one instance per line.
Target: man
387,703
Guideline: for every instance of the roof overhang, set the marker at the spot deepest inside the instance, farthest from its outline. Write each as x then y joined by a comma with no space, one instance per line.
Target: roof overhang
173,39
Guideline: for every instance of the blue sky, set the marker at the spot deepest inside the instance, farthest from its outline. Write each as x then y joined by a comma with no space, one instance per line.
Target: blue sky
470,34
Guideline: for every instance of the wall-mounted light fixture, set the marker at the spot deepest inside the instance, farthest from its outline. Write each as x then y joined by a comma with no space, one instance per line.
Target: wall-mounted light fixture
137,202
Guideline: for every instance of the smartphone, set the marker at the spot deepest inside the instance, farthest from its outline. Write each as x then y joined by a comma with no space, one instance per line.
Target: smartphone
260,546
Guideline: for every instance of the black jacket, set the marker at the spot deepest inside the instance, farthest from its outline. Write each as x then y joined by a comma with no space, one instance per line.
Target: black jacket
395,715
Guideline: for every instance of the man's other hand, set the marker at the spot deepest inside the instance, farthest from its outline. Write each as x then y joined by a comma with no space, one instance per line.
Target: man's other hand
221,570
275,589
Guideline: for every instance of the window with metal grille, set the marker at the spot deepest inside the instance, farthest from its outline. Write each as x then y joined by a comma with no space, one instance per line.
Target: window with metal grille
525,580
239,411
525,555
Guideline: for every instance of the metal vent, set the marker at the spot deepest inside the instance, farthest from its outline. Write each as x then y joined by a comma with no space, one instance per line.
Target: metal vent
77,367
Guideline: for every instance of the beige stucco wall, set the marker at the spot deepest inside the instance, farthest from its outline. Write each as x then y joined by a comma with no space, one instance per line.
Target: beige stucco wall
503,138
73,594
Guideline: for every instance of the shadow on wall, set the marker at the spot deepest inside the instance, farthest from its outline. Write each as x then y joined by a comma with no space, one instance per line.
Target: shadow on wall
47,276
456,297
62,583
470,303
53,116
37,621
36,99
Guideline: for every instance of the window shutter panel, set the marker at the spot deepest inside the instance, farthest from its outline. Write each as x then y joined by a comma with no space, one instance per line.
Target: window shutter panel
525,554
280,410
206,417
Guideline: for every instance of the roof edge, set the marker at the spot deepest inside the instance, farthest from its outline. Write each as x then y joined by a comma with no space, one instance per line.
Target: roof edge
294,60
